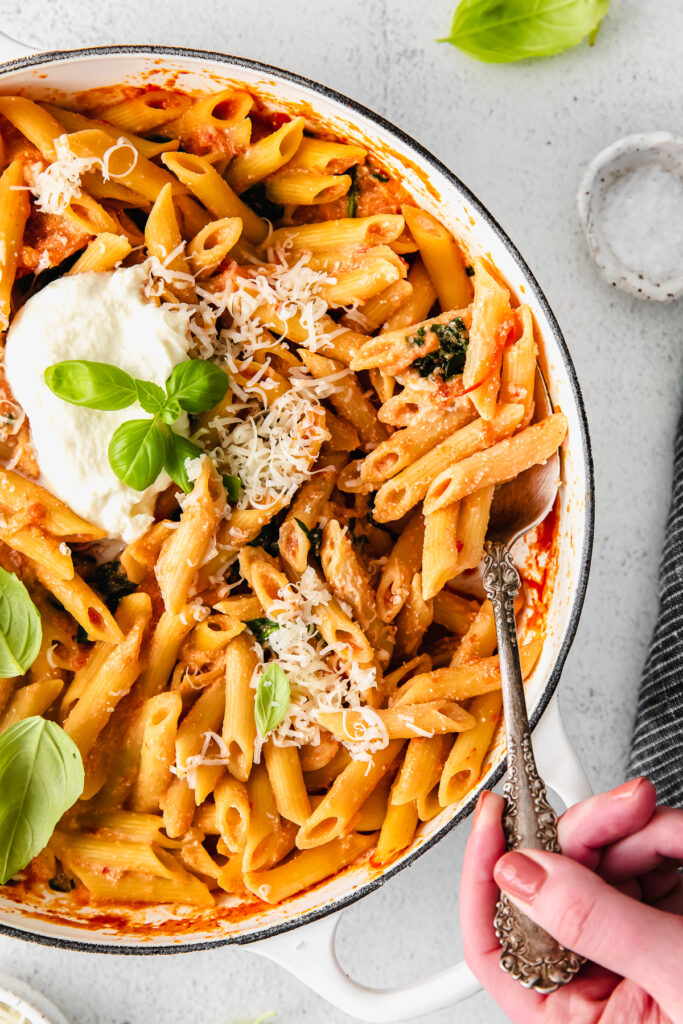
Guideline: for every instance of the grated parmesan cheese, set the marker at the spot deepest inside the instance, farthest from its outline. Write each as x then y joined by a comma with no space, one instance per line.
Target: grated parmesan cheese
322,678
368,729
56,185
188,770
271,449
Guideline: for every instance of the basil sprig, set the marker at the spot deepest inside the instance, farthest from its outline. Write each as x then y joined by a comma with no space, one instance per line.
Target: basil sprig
41,777
140,449
507,30
21,632
272,699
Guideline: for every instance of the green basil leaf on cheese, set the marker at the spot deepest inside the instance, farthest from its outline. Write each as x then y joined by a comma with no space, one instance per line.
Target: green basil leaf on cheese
90,384
150,396
197,385
137,452
21,631
272,699
171,411
41,777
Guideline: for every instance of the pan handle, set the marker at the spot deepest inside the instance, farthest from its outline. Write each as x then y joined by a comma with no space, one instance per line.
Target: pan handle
11,49
310,955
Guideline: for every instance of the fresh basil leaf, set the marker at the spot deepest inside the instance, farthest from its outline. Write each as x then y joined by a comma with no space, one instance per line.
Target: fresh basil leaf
233,486
171,411
501,31
178,449
379,176
262,628
314,535
272,699
90,384
137,452
197,385
21,631
448,360
150,396
41,777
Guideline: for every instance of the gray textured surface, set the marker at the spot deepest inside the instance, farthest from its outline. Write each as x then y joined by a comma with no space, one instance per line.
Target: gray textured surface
520,137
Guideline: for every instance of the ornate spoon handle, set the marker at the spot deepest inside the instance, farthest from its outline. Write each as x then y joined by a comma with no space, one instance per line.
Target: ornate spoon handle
529,953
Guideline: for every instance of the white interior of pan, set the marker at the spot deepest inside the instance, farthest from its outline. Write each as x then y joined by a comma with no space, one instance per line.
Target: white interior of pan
54,917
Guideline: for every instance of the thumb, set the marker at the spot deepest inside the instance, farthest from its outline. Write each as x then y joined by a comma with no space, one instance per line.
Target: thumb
587,915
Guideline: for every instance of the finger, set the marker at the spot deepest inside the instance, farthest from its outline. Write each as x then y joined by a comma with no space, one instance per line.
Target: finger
656,885
673,903
603,819
587,915
478,891
478,897
631,887
636,854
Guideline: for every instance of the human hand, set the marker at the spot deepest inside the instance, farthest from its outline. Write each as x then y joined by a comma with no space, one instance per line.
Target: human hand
614,895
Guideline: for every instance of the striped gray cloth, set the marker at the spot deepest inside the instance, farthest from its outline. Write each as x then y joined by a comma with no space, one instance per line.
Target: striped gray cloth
657,744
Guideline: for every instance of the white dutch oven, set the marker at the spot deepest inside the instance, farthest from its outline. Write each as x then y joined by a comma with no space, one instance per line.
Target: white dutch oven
309,952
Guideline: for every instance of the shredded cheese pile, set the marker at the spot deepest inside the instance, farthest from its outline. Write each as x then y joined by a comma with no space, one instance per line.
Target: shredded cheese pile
308,664
270,448
270,445
56,185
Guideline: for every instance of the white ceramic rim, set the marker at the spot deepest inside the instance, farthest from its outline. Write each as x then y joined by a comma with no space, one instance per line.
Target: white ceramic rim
580,450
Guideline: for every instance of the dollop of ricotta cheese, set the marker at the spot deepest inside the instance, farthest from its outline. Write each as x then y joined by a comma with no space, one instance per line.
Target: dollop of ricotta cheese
102,317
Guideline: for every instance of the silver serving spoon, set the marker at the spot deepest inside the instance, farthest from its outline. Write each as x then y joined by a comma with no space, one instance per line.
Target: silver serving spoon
529,953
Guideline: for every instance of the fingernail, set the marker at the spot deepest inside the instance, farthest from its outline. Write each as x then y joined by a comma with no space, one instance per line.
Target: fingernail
479,807
626,790
519,875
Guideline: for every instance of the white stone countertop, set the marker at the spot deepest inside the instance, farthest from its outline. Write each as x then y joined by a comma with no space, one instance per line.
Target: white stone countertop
520,137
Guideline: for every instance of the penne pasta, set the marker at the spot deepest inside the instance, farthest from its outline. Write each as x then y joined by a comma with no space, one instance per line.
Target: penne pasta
487,340
407,488
502,461
441,257
14,212
214,192
461,682
264,644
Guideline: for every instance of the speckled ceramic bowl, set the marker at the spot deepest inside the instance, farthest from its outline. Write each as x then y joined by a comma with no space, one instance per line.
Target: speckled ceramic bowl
35,1008
53,918
627,154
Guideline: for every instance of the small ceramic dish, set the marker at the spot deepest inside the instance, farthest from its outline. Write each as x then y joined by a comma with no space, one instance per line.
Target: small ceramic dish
658,150
31,1006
